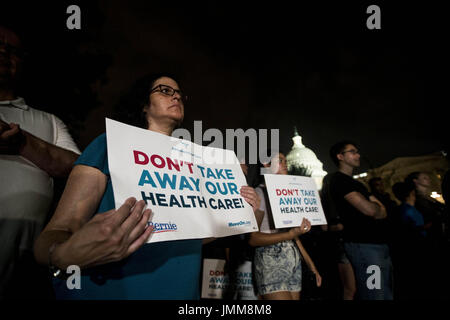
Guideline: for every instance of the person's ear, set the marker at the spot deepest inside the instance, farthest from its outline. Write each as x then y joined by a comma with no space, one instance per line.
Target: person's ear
340,156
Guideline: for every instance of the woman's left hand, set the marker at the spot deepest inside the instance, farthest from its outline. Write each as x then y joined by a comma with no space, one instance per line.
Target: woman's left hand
250,195
318,279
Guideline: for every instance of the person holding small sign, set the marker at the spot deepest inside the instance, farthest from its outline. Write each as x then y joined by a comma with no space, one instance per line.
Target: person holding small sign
110,244
277,261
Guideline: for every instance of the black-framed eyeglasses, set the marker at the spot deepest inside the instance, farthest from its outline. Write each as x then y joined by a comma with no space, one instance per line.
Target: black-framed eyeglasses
168,91
352,151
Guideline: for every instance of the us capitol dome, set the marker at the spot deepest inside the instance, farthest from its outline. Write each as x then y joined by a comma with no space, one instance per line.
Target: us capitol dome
302,160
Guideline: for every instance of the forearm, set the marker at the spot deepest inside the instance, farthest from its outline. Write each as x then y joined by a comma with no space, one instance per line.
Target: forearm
306,256
45,240
79,201
260,239
56,161
380,211
371,207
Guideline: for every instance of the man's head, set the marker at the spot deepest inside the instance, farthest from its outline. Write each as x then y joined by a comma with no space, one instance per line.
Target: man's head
345,153
421,180
404,191
11,55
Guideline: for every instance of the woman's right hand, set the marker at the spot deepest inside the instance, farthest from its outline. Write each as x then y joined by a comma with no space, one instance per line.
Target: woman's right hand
107,237
302,229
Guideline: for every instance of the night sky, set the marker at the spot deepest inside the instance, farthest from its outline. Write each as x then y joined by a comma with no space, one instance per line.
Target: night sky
249,65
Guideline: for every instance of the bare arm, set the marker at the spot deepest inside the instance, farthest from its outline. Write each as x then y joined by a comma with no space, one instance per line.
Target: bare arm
309,261
86,241
372,208
56,161
260,239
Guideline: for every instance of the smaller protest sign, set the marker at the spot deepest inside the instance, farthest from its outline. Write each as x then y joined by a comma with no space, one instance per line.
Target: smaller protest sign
293,198
216,282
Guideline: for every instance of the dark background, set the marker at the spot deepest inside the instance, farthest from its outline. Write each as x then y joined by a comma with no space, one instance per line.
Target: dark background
249,65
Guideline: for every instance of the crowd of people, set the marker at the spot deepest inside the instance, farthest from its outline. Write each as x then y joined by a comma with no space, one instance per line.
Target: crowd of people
109,244
406,240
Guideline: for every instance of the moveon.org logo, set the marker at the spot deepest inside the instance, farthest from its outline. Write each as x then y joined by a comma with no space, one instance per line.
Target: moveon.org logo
258,142
162,227
237,224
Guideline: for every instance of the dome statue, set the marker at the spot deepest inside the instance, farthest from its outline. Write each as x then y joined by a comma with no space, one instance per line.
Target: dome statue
303,161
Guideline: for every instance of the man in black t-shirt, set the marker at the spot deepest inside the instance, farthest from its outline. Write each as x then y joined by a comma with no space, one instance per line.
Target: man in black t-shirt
363,234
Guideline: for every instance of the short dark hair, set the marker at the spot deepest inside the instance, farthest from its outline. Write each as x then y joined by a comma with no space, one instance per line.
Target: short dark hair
337,148
130,108
412,176
402,190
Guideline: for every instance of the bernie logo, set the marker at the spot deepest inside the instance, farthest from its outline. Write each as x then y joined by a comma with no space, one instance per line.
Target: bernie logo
236,224
162,227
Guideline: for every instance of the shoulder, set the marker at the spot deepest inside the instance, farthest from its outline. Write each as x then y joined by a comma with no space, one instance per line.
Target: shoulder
41,114
95,154
100,140
408,210
338,179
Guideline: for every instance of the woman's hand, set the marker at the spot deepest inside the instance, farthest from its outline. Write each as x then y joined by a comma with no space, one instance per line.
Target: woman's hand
250,195
107,237
318,278
302,229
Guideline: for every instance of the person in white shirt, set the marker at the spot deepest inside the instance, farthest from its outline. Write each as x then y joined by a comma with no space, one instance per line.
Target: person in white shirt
35,147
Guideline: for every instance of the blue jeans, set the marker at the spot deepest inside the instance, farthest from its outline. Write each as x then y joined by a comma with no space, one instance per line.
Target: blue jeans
373,270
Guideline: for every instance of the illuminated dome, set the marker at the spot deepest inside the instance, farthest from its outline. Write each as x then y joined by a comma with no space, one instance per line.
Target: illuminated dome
302,157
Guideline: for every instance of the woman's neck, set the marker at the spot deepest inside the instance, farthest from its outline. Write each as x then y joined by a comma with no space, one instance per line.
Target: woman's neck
165,129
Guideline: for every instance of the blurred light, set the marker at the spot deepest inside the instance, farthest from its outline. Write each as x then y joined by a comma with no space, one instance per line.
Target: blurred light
362,175
437,197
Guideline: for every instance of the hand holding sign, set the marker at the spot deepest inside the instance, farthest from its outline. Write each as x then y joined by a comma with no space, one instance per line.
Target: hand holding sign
107,237
293,198
192,194
302,229
249,195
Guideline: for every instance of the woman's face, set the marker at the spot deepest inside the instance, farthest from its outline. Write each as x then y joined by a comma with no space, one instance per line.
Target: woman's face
163,106
278,164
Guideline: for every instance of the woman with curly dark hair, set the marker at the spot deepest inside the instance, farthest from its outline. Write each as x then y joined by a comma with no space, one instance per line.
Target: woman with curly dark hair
108,244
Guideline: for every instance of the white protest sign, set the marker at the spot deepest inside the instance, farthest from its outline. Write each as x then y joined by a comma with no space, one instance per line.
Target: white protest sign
216,282
244,282
192,190
293,198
